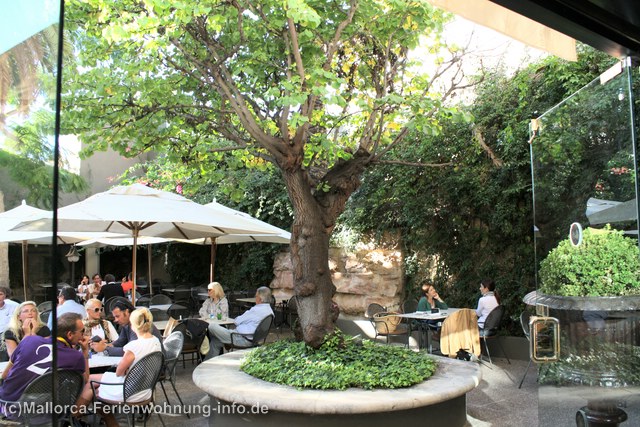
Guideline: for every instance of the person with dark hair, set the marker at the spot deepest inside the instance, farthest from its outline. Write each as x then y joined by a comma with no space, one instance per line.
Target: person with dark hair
141,323
7,307
121,311
32,357
111,289
67,304
488,301
127,283
431,299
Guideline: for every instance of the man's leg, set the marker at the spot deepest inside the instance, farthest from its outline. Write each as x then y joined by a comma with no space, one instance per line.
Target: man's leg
218,337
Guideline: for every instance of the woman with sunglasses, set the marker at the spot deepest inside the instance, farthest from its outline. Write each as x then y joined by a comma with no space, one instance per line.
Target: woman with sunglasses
95,325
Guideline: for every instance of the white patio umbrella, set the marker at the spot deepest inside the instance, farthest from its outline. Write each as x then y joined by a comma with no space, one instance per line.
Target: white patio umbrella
282,237
138,210
24,212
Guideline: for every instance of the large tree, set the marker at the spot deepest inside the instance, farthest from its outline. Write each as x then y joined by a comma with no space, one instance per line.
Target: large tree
321,89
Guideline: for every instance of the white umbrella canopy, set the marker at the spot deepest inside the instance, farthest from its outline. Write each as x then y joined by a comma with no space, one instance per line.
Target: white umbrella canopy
138,210
24,212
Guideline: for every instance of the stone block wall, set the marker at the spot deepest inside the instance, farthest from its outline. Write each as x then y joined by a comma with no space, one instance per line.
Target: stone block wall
361,278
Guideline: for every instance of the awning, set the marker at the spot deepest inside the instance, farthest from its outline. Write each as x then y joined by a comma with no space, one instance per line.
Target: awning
513,25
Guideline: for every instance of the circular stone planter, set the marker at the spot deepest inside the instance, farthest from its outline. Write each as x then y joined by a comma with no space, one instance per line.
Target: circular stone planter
238,399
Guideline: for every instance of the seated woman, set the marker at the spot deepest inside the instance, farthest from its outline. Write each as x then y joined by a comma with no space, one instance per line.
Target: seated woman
83,287
217,304
488,301
95,325
431,299
25,321
141,322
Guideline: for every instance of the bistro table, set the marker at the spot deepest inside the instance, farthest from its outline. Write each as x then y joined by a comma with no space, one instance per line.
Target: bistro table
427,315
99,363
96,363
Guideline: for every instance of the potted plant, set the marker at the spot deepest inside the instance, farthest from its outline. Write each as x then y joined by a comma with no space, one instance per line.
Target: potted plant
592,287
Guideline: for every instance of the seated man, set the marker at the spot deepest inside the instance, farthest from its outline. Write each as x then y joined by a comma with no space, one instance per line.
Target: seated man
121,313
32,357
111,289
67,304
245,323
7,307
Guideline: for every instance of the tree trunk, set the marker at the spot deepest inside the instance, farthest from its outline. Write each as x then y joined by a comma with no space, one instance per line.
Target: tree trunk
310,260
315,215
4,253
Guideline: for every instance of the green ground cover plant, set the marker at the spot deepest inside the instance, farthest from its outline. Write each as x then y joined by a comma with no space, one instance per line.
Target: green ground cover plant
339,363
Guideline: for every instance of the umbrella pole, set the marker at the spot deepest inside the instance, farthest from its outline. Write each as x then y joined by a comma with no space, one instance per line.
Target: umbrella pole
25,267
213,259
135,246
149,267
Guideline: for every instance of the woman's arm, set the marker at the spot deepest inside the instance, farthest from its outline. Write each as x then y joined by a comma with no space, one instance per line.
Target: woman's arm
11,346
125,363
480,307
224,307
6,369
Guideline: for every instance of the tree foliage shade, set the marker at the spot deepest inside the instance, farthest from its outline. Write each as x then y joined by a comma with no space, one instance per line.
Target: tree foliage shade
320,89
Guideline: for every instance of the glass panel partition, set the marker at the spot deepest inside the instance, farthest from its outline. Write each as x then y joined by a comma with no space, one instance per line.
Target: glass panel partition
583,156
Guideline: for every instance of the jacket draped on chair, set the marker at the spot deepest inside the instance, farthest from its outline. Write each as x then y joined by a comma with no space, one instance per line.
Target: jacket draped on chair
460,331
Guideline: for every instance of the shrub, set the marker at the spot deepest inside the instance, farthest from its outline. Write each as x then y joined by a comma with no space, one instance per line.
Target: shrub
605,264
340,362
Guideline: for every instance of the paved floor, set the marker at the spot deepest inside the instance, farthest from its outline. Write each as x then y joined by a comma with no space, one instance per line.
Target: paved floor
496,402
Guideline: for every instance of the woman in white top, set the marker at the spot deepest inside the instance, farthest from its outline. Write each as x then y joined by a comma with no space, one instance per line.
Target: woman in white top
141,322
95,325
488,301
217,304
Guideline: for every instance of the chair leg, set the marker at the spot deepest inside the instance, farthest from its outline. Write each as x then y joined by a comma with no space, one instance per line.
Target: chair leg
179,398
487,348
525,373
165,392
503,352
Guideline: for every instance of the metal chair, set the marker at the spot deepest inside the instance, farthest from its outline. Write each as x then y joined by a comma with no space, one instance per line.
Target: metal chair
142,376
373,309
159,315
182,295
143,301
159,299
172,349
44,306
178,311
524,322
37,396
108,306
292,311
194,331
490,330
44,316
259,336
410,306
387,324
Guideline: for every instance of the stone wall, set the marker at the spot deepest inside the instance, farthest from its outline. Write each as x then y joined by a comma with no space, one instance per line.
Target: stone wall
360,277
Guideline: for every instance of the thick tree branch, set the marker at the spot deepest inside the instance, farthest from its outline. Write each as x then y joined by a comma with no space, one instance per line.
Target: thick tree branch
413,164
477,135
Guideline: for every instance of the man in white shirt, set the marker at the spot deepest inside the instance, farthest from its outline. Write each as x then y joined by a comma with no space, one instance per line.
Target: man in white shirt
245,324
67,304
7,308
